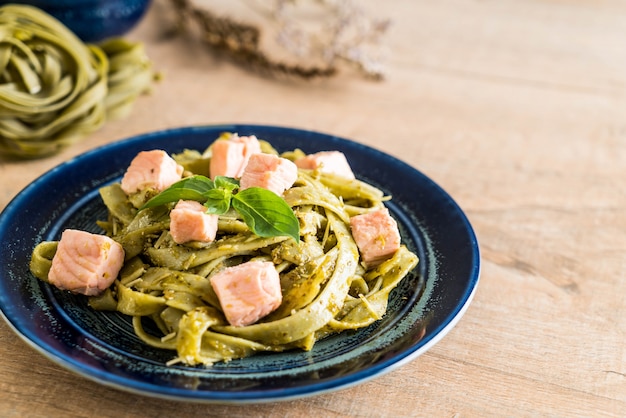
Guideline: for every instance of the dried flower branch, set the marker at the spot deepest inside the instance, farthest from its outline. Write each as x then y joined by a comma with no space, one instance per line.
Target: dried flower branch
321,35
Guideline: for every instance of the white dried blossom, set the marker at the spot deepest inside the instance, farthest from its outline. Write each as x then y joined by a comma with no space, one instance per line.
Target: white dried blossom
330,31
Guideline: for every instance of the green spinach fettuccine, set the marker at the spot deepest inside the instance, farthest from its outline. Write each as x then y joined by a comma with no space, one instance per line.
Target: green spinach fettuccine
54,89
165,287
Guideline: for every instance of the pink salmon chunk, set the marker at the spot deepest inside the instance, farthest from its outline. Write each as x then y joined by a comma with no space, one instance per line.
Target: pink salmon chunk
85,263
155,169
247,292
331,162
190,222
377,236
269,172
230,156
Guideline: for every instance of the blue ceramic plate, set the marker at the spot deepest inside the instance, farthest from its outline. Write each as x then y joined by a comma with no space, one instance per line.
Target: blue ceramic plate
102,347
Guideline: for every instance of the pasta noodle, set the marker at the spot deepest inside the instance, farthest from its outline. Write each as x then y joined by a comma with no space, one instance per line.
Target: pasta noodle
325,288
54,89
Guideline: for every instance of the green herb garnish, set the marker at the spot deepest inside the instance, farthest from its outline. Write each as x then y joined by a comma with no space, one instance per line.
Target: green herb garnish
265,213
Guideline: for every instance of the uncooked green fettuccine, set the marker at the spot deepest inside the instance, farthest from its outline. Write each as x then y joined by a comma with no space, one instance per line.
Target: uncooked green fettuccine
56,90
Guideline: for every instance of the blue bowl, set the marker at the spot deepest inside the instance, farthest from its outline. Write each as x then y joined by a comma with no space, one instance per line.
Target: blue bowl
102,346
93,20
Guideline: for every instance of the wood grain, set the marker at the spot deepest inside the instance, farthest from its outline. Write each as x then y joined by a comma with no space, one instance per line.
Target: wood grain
518,110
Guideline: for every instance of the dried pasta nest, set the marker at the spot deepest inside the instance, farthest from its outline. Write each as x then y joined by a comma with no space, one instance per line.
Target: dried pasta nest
54,89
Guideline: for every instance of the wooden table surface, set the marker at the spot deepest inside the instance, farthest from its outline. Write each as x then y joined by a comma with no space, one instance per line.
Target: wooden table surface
517,108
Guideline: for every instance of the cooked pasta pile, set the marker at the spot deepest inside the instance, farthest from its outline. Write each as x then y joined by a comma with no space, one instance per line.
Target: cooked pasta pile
325,287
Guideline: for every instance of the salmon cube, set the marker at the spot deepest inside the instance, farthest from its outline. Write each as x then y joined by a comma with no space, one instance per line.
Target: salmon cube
269,172
332,162
190,222
247,292
376,235
230,156
151,169
85,263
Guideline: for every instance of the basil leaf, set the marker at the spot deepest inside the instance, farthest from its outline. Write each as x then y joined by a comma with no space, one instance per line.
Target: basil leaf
189,188
266,213
227,183
217,201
